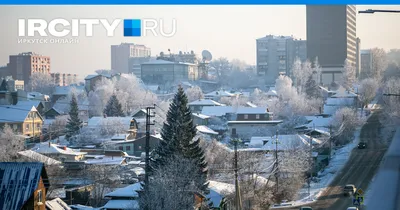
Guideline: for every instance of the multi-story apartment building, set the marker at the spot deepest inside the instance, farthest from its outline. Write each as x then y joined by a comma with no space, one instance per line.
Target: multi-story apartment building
64,79
120,55
22,66
276,55
331,36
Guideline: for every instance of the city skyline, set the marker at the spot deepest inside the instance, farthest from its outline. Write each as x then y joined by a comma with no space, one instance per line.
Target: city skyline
224,30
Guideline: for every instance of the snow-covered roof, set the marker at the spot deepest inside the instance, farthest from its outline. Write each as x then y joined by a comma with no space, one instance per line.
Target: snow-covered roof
331,110
64,90
202,116
57,204
95,122
91,76
153,88
138,171
48,148
256,122
56,193
106,160
318,121
13,114
122,204
218,190
28,104
204,102
272,93
127,192
340,101
187,84
39,157
120,137
251,110
155,62
285,142
342,93
223,110
219,93
14,195
205,130
82,207
251,104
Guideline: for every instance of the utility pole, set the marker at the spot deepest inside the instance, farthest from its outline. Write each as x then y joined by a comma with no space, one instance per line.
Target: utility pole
330,142
311,163
238,200
276,162
149,115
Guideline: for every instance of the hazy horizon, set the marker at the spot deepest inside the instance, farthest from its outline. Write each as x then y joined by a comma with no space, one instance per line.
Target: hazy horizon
226,31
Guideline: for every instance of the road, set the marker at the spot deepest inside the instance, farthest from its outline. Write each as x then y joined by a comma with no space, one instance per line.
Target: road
359,170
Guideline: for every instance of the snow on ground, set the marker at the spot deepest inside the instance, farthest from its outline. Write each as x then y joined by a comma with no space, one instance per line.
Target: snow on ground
325,177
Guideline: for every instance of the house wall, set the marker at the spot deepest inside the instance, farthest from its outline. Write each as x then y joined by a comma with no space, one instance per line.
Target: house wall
246,131
32,126
33,202
253,117
139,145
199,121
126,147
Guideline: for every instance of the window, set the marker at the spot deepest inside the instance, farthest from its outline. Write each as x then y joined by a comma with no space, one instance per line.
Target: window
27,127
39,196
128,148
257,116
246,116
121,148
140,147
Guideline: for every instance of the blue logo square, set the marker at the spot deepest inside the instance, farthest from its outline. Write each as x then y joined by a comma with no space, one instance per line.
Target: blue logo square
132,27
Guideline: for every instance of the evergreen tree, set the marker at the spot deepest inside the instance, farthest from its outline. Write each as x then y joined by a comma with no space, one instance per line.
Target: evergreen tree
74,123
4,86
312,89
178,144
113,107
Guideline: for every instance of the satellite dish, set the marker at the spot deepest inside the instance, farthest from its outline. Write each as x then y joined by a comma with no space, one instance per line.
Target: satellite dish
206,55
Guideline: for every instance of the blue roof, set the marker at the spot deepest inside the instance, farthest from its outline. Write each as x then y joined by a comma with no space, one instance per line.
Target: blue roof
18,181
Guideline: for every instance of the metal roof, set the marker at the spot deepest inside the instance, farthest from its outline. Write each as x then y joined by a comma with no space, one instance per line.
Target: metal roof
18,182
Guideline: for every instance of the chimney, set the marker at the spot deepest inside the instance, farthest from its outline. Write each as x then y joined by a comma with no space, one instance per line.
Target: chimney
105,116
65,147
320,110
49,144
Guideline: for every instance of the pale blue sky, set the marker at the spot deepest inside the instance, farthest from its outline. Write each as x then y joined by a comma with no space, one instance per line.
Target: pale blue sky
228,31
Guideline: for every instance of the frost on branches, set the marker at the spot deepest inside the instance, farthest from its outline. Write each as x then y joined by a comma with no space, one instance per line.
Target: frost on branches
63,104
41,82
349,75
194,93
344,123
392,103
367,90
129,92
10,144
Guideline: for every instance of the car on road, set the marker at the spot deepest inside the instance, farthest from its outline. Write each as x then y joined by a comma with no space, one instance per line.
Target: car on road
349,189
305,208
362,145
352,208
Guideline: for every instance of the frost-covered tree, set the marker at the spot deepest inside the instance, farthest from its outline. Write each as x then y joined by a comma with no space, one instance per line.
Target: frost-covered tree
379,63
317,70
348,75
10,144
312,89
301,72
4,86
41,82
113,108
392,103
194,93
58,126
179,150
74,123
344,123
367,90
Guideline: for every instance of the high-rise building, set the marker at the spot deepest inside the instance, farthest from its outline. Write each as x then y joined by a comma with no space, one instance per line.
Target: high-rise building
331,36
22,66
358,57
120,55
366,63
276,55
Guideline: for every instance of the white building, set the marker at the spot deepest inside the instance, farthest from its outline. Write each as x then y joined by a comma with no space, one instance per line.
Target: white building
120,55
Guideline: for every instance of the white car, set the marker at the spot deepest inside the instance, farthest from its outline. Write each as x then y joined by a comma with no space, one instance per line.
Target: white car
352,208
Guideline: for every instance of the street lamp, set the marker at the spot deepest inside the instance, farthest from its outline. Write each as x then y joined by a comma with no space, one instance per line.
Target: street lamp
372,11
